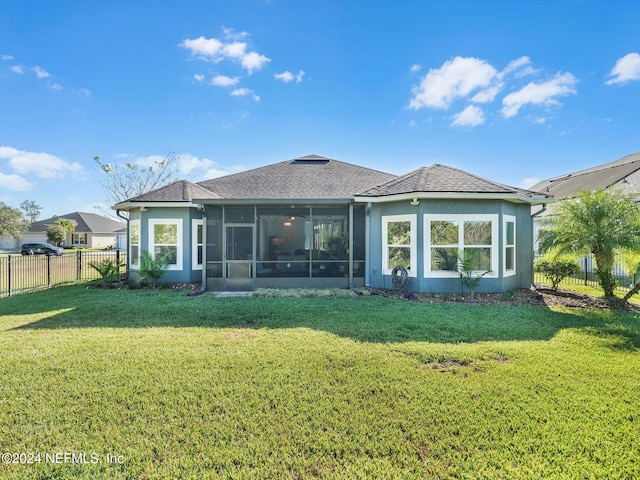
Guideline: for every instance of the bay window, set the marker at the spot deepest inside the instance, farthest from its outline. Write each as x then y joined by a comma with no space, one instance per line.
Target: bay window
399,242
456,238
134,244
509,233
165,240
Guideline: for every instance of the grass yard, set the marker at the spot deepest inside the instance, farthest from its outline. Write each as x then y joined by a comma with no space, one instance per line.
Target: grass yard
355,387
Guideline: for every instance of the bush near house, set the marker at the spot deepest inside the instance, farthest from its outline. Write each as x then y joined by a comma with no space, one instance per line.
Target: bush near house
556,269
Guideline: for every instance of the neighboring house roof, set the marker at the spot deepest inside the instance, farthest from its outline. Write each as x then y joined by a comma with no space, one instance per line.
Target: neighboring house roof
594,178
310,177
83,222
440,179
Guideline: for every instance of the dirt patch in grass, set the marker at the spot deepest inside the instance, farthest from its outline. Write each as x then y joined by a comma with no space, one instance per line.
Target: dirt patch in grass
518,297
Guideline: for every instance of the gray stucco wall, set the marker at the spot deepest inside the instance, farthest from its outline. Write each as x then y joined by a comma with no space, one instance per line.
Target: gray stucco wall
524,248
183,215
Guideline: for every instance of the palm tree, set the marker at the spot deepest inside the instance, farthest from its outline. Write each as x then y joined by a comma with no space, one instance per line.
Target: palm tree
601,222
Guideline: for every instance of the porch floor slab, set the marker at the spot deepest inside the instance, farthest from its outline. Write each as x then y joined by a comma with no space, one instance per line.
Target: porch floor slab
232,294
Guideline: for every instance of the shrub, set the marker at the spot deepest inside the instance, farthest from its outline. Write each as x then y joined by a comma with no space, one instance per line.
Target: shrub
108,269
556,269
151,270
468,274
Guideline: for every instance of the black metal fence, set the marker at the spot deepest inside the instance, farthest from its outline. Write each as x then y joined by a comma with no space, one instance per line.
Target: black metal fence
24,273
587,276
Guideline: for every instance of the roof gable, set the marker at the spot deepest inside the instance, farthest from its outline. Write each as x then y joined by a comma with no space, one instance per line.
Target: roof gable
310,177
442,179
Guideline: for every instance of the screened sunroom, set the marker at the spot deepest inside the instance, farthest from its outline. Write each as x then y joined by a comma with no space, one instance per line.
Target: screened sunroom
284,246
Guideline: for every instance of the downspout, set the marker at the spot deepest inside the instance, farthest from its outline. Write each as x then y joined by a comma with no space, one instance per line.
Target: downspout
126,219
351,245
533,216
367,245
203,288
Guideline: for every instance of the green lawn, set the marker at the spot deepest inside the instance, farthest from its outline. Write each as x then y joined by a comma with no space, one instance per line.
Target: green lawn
355,387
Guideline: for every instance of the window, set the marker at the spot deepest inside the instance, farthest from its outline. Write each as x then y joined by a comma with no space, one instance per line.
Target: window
134,243
197,245
165,240
78,238
399,235
509,232
449,238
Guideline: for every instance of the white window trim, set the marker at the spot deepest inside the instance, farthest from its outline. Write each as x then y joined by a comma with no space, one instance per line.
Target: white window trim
461,218
152,246
507,219
130,244
194,243
413,253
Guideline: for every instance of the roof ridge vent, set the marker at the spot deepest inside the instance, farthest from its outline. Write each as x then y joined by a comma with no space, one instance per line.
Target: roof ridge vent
310,160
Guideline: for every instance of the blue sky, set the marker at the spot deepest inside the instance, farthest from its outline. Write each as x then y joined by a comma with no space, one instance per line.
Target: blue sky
512,90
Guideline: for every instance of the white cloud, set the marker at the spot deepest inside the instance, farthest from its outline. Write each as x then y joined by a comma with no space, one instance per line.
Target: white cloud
216,171
544,93
471,116
6,57
626,68
521,66
85,92
41,73
17,69
224,81
487,95
254,61
207,48
146,161
198,78
14,182
44,165
243,92
539,120
285,76
415,68
56,86
190,166
461,77
231,34
457,78
529,182
187,163
240,92
216,50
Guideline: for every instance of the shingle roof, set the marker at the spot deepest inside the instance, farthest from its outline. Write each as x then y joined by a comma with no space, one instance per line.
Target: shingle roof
601,176
441,179
179,191
83,222
310,177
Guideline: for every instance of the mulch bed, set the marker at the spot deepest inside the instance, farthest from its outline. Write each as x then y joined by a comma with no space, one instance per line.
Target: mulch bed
530,297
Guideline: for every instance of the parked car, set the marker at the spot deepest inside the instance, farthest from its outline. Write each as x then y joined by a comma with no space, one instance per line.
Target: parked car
40,249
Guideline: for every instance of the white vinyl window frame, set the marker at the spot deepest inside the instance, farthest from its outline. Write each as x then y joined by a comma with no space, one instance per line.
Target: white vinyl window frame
461,219
179,247
134,257
506,219
78,239
413,243
195,245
